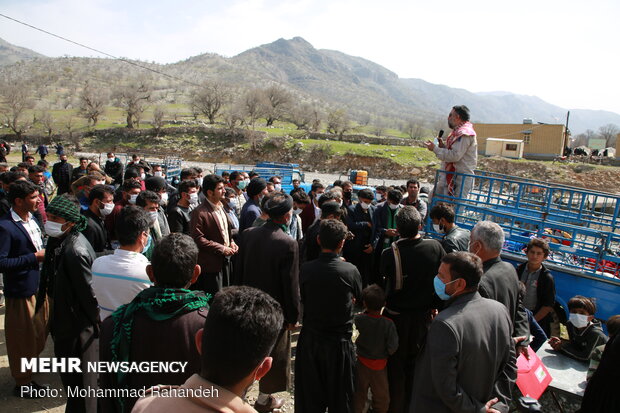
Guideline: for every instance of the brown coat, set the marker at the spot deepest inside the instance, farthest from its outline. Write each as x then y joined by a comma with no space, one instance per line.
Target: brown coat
205,230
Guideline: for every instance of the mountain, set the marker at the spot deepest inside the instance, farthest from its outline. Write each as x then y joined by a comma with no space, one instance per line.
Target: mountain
10,54
335,79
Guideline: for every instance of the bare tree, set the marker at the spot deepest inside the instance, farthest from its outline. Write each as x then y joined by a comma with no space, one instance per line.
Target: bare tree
92,103
209,99
413,129
16,101
47,121
70,125
232,115
276,101
133,98
378,126
158,118
253,103
610,133
338,122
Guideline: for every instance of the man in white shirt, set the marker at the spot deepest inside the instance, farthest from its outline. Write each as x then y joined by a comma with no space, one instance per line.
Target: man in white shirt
117,278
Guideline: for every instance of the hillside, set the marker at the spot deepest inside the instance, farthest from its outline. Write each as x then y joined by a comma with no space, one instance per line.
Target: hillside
333,78
10,54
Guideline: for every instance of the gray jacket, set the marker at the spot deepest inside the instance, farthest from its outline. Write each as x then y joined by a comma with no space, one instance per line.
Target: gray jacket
468,359
456,240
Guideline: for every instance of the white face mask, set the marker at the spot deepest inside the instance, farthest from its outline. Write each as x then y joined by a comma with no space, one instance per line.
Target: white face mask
297,211
53,229
164,197
364,205
193,198
111,159
277,187
378,197
393,206
340,203
133,198
578,320
158,173
106,210
438,228
143,176
153,216
232,203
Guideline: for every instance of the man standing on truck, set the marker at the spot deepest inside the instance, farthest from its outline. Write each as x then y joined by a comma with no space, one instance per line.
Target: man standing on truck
459,154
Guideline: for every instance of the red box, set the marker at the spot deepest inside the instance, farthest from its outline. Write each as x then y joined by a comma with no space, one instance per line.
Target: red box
532,375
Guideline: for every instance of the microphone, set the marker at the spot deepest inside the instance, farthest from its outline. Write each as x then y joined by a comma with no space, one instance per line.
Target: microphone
438,142
440,133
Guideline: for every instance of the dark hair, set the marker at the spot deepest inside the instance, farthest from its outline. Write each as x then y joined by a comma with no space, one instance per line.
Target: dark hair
365,194
185,186
82,158
209,182
253,174
131,184
315,186
147,196
21,189
35,169
584,303
539,243
230,192
98,191
408,222
395,195
188,173
331,208
240,330
413,181
43,163
373,297
12,176
613,325
131,222
29,157
331,233
134,156
131,172
444,211
234,175
173,261
226,174
381,188
464,265
301,197
326,197
273,178
24,165
155,183
462,111
197,169
278,205
347,183
110,153
337,182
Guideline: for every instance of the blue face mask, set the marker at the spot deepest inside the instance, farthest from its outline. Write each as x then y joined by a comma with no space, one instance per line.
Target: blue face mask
440,288
148,244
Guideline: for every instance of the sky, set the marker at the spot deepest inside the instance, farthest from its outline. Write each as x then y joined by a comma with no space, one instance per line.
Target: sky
566,52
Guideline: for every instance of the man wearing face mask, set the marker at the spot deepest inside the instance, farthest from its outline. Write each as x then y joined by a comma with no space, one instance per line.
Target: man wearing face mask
409,266
385,231
61,173
347,193
238,183
239,332
100,205
74,319
500,281
454,237
312,212
179,214
452,374
300,201
114,169
257,189
360,221
118,277
127,195
150,202
269,260
277,183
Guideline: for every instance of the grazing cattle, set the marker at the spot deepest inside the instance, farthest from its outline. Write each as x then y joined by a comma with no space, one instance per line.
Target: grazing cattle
582,151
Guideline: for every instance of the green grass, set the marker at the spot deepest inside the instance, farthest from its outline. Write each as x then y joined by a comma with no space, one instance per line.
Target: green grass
404,155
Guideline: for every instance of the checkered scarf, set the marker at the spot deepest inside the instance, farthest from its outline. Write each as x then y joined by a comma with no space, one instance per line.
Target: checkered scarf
63,207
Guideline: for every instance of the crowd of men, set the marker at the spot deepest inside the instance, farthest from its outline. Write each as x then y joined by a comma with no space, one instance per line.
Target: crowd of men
218,271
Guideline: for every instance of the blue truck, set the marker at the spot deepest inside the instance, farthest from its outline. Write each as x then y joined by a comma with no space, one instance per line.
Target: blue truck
286,171
582,227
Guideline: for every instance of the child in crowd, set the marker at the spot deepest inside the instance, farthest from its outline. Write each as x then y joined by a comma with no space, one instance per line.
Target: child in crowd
585,334
613,328
376,341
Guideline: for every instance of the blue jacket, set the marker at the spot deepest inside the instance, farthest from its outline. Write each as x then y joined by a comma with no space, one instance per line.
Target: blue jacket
17,260
249,213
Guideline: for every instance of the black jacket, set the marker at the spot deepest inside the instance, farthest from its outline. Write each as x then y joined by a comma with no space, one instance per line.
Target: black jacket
357,222
456,240
178,219
61,172
114,170
545,291
501,283
95,232
75,306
